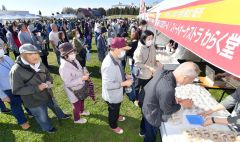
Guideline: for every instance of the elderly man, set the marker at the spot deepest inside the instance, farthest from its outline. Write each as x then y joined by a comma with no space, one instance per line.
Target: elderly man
54,39
15,102
31,80
159,102
114,81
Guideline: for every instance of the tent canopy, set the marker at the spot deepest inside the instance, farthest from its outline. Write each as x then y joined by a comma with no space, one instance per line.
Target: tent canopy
203,27
18,16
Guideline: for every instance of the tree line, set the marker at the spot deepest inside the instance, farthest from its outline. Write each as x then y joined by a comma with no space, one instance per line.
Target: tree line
123,11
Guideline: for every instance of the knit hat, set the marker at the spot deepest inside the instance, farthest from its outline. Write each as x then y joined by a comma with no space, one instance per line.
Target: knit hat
119,42
65,48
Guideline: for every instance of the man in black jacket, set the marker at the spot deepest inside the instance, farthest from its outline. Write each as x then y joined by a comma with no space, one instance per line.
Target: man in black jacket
160,102
31,80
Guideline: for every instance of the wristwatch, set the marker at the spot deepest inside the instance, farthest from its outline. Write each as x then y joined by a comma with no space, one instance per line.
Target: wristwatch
213,121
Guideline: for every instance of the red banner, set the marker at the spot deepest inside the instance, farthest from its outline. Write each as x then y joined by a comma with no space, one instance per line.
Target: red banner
206,30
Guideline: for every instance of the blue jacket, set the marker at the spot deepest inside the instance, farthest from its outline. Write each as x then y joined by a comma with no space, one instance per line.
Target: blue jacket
101,47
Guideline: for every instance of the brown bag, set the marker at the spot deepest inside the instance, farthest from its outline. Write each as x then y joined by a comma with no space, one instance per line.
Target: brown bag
82,93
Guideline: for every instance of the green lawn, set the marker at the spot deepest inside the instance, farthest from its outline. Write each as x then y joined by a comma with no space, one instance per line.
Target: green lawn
96,130
122,16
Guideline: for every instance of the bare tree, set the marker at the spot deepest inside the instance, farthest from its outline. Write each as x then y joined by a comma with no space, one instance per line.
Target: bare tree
4,8
69,10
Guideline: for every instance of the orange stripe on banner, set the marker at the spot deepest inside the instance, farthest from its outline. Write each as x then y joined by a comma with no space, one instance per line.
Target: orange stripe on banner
192,4
224,12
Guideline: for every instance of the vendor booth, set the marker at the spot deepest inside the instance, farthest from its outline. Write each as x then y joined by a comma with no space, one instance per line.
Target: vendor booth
206,32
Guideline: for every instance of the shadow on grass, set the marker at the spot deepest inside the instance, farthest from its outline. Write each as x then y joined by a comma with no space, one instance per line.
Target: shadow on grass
95,130
94,70
93,51
53,69
7,135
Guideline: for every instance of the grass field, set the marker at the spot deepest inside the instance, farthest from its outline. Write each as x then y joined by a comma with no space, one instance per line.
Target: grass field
122,16
96,130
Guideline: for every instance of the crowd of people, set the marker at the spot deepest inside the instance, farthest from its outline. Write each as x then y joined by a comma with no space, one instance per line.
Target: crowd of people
28,84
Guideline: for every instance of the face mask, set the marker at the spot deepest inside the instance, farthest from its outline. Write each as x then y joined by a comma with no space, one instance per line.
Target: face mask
78,35
1,53
122,54
178,84
149,43
36,66
38,34
71,57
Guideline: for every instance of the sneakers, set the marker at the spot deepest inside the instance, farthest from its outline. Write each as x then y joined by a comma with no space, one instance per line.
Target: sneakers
30,116
121,118
136,103
66,116
81,121
86,113
141,134
6,110
25,126
53,130
118,130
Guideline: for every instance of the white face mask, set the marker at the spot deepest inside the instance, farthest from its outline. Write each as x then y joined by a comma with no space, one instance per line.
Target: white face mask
78,35
36,66
38,34
71,57
1,53
149,43
122,54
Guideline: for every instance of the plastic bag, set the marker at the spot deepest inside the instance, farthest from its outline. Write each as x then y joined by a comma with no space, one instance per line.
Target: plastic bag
88,56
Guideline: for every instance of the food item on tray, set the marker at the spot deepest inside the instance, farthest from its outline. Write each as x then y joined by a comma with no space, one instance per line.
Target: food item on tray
209,135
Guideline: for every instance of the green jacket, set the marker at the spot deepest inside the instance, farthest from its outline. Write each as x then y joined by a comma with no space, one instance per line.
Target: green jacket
79,47
24,82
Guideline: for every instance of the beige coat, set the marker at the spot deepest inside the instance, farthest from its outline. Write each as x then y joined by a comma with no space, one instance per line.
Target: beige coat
72,78
141,59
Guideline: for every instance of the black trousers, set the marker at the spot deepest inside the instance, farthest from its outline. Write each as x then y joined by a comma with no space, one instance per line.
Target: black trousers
44,60
16,54
139,85
113,114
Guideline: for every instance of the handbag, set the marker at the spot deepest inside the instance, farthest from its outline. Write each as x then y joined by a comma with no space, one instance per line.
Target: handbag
82,93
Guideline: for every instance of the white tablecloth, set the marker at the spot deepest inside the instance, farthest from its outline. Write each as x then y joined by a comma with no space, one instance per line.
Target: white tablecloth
169,63
173,131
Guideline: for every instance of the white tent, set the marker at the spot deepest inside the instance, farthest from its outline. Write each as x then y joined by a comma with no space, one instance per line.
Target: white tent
18,16
65,16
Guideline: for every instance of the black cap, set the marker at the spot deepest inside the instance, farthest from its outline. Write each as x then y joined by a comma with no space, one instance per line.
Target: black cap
103,30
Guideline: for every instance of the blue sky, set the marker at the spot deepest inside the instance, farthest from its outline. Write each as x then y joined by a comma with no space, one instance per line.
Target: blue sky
52,6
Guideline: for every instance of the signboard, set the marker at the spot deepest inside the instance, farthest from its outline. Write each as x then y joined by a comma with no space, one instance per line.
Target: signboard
209,28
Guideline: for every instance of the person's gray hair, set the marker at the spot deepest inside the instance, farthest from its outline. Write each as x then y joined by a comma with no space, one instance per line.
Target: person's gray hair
52,25
188,69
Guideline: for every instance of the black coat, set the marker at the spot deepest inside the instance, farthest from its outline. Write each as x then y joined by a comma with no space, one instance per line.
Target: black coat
159,102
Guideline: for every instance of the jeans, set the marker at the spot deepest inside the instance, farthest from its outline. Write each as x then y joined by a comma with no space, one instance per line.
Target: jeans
41,115
150,132
16,106
2,106
88,41
113,114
